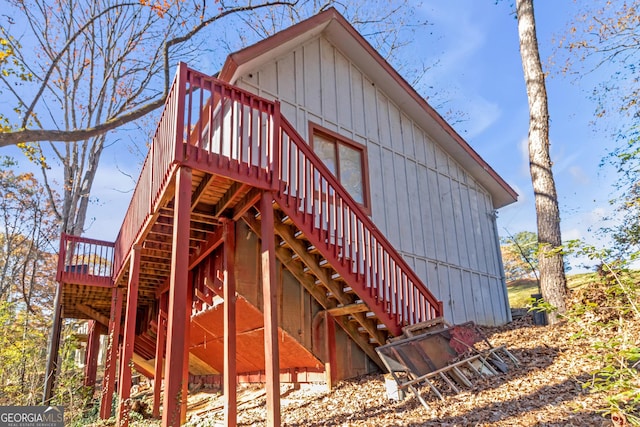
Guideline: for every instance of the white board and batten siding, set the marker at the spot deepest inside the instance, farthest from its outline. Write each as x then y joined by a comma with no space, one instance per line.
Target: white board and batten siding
434,213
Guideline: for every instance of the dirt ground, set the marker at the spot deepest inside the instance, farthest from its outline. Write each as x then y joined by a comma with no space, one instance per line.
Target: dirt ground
546,390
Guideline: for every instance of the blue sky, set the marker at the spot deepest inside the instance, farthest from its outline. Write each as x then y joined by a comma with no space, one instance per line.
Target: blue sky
477,44
478,71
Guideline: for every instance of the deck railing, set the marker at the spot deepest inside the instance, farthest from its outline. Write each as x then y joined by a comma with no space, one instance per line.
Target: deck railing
85,261
166,148
229,129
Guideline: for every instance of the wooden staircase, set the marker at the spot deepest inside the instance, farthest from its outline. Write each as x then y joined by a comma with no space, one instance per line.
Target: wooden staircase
238,146
324,283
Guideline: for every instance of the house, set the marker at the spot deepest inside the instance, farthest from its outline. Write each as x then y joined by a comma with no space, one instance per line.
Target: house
292,214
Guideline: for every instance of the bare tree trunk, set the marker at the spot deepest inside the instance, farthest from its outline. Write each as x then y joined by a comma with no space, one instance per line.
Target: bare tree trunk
553,283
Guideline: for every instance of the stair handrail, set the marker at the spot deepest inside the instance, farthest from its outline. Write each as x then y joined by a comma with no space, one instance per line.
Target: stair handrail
163,152
406,315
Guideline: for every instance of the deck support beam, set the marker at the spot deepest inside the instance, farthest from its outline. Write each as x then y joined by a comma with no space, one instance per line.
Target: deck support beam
128,341
160,344
270,298
91,354
331,368
93,314
187,343
177,311
112,354
229,296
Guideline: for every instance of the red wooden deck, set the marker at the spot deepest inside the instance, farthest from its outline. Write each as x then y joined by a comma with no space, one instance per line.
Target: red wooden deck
220,155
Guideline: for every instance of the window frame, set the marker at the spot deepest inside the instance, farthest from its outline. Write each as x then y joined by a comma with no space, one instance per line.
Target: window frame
316,129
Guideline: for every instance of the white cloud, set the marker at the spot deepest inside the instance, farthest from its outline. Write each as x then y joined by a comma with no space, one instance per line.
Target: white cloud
461,36
572,234
579,176
482,114
524,155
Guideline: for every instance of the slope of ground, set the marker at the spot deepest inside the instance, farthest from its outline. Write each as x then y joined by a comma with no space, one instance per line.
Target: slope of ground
545,391
548,389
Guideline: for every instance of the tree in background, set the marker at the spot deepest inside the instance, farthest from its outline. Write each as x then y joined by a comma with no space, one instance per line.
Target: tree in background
94,65
27,269
553,283
148,37
520,255
27,228
604,37
607,33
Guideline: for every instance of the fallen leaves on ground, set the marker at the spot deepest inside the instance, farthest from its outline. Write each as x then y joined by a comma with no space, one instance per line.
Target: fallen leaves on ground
546,390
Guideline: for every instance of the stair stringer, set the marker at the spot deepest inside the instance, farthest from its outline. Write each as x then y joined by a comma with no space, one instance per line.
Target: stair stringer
342,265
297,268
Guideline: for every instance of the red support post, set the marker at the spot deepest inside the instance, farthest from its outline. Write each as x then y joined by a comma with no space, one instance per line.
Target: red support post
276,149
187,343
91,354
229,296
160,344
180,99
124,384
270,297
112,354
177,312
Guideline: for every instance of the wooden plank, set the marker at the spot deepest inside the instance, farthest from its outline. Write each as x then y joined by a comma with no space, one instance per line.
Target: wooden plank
213,241
203,221
142,365
177,312
200,190
128,341
348,309
112,354
206,298
94,314
270,298
324,275
198,366
228,198
91,354
229,296
250,199
300,249
161,334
